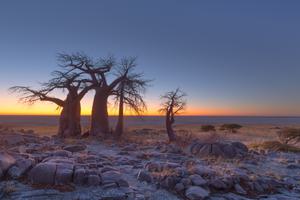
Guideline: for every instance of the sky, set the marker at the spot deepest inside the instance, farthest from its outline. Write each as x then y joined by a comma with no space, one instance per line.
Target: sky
230,57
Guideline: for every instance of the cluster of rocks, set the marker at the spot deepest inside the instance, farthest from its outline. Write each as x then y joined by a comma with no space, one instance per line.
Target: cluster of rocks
218,149
97,170
199,181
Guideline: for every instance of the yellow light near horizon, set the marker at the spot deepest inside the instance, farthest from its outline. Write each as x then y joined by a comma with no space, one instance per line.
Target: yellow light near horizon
10,106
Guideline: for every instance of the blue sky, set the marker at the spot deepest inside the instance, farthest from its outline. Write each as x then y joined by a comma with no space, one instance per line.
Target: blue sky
231,57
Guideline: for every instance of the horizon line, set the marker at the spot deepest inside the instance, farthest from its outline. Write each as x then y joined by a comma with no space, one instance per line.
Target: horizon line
182,115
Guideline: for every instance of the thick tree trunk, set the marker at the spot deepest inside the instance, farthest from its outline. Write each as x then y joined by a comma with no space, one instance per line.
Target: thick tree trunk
99,121
69,122
120,124
169,123
63,122
74,118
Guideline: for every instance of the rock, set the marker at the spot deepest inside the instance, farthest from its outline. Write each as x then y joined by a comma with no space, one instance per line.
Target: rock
218,184
196,193
75,148
202,170
11,139
80,176
14,172
64,173
113,194
160,195
130,147
122,183
144,176
217,149
154,167
240,146
93,180
21,167
110,177
37,194
293,166
197,180
62,153
107,168
173,148
179,187
238,188
6,161
43,173
109,185
169,182
258,187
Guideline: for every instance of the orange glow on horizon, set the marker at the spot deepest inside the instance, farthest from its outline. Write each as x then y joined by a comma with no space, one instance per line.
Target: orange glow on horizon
10,106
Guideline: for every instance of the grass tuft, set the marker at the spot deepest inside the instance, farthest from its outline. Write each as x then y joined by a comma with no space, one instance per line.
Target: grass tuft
275,146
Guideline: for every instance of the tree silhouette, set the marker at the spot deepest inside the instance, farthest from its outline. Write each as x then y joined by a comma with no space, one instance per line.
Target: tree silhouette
129,92
69,120
97,73
173,103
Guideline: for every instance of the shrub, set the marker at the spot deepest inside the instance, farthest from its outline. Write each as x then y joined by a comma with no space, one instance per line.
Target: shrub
207,128
289,135
276,146
230,127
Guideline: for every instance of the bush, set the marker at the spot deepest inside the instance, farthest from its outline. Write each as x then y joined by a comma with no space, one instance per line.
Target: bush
276,146
207,128
289,135
230,127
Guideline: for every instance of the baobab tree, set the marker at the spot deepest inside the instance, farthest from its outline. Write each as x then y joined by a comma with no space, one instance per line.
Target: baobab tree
129,92
97,73
173,103
69,120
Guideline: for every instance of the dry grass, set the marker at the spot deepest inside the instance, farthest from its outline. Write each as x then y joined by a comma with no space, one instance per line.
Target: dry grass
275,146
289,135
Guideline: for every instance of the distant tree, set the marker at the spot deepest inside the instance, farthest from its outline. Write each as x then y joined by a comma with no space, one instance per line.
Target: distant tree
129,91
173,103
207,128
232,128
69,120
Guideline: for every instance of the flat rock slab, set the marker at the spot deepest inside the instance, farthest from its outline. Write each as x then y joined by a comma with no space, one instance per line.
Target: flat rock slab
6,161
223,150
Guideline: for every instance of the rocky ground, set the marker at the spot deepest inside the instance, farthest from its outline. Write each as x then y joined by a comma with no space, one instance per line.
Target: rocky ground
33,167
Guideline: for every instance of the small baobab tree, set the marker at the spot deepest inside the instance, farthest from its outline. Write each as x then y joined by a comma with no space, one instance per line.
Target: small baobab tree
129,92
173,103
69,120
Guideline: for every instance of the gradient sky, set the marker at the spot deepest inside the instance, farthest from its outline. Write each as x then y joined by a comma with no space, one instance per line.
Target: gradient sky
231,57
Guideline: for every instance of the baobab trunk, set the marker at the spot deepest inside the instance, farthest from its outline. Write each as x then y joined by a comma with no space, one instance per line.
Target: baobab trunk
99,121
69,121
169,123
120,123
74,118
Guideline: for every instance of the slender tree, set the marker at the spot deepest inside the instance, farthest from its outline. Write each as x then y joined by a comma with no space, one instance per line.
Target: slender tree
173,103
129,92
69,120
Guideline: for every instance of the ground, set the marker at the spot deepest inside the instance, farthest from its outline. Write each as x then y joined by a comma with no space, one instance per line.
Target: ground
144,166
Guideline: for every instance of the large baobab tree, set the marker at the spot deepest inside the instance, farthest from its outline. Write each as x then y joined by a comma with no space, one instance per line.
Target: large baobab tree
97,72
129,92
69,120
173,103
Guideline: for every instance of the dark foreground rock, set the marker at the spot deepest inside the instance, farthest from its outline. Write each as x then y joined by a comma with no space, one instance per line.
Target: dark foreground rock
223,150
